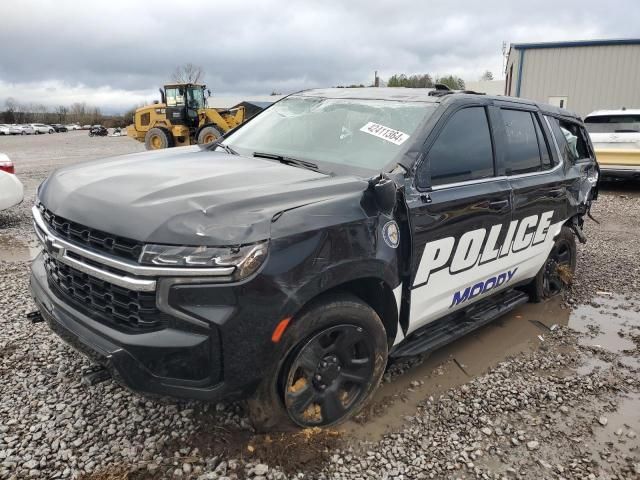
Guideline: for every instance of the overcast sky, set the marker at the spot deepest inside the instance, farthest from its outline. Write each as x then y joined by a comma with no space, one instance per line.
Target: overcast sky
114,54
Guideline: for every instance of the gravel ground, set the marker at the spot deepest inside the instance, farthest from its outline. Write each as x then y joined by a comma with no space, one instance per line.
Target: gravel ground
567,406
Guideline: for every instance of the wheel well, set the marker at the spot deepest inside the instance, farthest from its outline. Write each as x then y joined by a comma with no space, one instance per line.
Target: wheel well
379,296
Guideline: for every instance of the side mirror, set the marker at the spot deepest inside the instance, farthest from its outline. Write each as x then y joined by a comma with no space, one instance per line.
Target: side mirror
384,190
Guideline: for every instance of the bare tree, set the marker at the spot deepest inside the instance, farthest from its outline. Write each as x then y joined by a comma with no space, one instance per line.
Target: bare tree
187,73
11,108
486,76
62,111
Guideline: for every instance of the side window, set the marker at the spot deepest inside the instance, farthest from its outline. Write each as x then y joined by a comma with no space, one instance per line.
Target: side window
570,138
522,148
171,97
462,151
543,145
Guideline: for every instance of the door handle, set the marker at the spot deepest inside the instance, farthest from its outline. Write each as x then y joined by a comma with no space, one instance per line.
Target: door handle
498,204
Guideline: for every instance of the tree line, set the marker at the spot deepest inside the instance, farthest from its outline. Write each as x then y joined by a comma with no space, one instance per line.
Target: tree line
79,112
425,81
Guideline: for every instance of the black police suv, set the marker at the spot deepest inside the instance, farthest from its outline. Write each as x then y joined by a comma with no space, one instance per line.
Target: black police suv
336,229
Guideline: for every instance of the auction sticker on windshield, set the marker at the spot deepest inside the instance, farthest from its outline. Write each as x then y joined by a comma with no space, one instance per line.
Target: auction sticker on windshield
386,133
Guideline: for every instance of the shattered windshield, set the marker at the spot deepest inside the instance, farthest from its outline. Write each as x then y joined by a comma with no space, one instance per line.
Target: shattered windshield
364,134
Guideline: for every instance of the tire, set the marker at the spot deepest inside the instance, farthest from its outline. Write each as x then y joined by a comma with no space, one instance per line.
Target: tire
208,134
558,270
23,133
332,358
157,138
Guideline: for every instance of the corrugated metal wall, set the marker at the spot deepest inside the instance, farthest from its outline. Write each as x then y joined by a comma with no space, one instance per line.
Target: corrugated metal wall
592,77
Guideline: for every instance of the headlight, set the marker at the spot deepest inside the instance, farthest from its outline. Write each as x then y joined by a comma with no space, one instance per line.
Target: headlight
246,259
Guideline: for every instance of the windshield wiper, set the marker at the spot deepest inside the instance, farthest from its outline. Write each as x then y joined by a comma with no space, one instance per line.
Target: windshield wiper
218,143
287,160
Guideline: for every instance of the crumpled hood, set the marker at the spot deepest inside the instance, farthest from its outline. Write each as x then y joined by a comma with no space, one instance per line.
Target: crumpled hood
187,196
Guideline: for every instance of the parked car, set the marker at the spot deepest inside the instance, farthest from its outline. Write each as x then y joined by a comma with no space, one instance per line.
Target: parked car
4,130
332,231
42,128
59,128
27,130
98,131
14,129
11,189
616,138
86,127
71,127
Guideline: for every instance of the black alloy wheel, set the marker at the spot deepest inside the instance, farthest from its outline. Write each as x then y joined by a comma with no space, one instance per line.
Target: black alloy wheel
329,375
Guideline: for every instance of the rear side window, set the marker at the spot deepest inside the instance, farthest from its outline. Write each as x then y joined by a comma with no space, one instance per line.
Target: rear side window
624,123
522,148
570,138
463,150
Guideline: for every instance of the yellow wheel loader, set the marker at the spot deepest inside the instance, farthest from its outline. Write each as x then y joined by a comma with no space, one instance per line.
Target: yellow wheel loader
182,118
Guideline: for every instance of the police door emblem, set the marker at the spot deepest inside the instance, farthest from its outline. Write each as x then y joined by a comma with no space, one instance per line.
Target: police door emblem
391,234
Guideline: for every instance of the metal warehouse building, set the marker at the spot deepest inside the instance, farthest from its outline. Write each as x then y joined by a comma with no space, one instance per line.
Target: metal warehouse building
580,76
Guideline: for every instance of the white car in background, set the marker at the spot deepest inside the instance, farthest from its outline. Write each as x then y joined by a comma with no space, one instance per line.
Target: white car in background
14,129
26,130
42,128
11,190
73,127
4,130
615,135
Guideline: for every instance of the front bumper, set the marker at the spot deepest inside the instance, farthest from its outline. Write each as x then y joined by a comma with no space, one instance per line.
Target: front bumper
180,360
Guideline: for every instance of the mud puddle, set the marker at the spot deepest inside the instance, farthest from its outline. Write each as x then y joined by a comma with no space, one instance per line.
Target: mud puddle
416,379
13,249
622,430
610,322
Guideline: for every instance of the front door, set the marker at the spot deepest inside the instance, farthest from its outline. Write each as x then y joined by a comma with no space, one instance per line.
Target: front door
460,215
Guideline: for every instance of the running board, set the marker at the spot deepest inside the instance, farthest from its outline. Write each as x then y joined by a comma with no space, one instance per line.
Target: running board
437,334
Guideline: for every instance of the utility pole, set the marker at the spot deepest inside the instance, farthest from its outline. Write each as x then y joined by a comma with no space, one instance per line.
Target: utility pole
376,79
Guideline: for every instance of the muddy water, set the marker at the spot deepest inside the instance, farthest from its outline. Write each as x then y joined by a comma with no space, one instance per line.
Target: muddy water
622,428
608,322
13,249
521,330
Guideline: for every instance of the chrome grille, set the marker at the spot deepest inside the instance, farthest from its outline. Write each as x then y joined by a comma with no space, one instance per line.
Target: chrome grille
91,237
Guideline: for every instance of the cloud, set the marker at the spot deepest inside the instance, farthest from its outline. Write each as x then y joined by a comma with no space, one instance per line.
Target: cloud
116,54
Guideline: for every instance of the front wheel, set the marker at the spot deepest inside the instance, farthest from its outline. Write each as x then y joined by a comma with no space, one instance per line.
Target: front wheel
334,356
557,272
157,138
208,134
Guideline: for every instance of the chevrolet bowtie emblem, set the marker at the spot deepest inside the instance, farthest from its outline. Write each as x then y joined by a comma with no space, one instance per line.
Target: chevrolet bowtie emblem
54,249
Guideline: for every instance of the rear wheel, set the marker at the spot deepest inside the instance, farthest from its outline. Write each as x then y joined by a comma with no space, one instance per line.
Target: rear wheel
334,357
157,138
557,272
208,134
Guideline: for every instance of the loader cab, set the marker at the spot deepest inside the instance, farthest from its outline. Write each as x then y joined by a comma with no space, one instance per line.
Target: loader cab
183,102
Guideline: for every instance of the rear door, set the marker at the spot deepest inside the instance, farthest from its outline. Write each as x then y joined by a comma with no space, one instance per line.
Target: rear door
458,210
539,186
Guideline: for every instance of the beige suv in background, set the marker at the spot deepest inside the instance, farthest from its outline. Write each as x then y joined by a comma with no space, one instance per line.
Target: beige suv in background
615,135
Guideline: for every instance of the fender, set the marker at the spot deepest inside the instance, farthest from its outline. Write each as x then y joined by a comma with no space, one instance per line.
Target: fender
337,275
